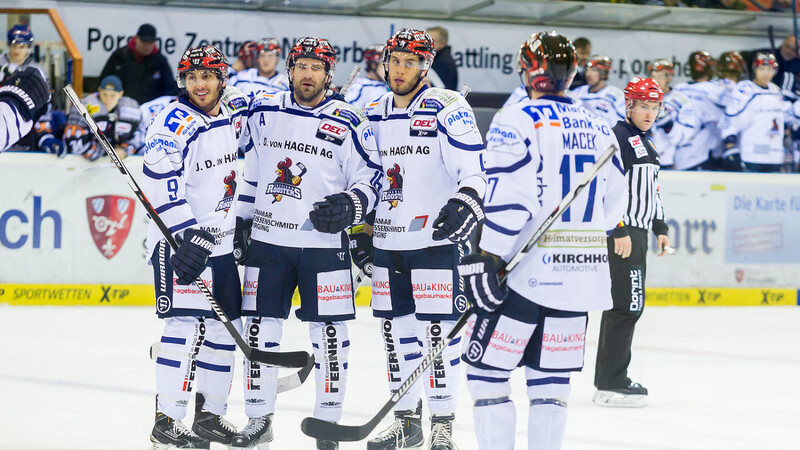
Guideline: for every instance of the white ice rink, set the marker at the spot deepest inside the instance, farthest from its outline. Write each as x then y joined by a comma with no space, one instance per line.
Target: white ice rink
719,378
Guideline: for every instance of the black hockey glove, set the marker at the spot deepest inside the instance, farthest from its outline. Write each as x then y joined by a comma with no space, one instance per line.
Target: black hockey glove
27,91
241,239
334,95
481,281
361,250
191,257
459,217
338,211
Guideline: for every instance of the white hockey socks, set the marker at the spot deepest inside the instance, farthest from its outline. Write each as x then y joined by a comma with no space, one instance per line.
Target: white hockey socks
493,412
215,365
331,346
442,379
175,368
403,354
547,419
260,382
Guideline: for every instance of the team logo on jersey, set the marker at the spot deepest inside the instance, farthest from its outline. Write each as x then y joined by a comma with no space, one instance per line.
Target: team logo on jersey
110,218
286,183
423,125
393,195
775,128
230,190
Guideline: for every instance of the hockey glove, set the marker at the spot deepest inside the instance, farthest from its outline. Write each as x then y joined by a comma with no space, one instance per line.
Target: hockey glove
361,250
191,257
241,239
338,211
27,91
481,281
459,217
53,145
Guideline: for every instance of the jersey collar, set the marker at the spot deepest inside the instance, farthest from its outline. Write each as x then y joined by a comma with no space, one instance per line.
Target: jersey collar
389,106
556,98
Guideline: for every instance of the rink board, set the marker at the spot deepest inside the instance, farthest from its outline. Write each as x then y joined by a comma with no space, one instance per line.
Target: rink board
142,295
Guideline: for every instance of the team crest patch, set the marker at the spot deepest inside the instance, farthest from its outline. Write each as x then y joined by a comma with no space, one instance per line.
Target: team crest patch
393,195
287,182
423,125
230,190
638,146
332,131
110,218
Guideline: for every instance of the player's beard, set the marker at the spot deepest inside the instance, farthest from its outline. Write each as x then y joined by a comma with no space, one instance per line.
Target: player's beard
308,94
209,102
407,86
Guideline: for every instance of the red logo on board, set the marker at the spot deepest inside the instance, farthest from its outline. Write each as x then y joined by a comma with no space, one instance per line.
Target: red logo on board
110,218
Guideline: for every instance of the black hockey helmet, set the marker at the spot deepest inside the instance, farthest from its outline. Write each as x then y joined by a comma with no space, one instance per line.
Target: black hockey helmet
547,62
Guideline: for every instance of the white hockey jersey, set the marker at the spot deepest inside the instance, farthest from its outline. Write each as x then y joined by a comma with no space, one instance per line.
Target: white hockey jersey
363,91
151,109
249,81
294,157
191,171
696,130
608,103
755,116
662,137
536,152
516,95
429,151
12,124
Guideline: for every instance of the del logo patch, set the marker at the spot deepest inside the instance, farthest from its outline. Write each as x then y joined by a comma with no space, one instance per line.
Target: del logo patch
638,146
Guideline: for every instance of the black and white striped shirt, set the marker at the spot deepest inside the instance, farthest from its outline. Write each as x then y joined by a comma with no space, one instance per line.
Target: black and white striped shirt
641,164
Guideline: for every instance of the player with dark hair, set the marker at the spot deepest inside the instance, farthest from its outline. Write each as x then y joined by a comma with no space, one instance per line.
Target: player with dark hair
264,76
597,95
662,70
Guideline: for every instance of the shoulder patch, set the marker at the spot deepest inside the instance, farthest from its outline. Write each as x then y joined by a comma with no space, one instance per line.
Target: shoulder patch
638,146
352,115
460,122
180,122
444,96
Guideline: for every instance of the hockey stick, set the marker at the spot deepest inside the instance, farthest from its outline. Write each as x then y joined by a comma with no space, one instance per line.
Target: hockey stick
285,359
346,86
322,429
285,383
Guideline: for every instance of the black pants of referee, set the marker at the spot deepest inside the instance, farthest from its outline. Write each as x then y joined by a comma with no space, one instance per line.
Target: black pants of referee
618,323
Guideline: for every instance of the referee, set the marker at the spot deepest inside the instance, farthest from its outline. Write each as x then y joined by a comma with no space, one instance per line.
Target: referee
627,247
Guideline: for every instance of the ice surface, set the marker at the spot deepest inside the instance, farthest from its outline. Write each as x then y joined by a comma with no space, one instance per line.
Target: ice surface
719,378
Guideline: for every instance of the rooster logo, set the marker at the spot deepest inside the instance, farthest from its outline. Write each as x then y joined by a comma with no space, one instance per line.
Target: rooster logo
286,183
394,195
229,191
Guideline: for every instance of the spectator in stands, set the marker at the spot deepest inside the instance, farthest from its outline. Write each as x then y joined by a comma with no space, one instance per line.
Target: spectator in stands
144,71
117,116
444,67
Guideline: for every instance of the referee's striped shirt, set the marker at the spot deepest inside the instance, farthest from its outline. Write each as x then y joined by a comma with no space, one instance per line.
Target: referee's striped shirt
641,164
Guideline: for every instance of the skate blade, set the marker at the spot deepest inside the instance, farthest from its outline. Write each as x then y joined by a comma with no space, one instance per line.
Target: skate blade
617,400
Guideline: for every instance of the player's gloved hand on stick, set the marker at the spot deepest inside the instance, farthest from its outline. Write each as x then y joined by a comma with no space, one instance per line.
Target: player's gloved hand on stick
481,281
27,90
54,146
338,211
459,217
334,95
191,257
241,239
361,249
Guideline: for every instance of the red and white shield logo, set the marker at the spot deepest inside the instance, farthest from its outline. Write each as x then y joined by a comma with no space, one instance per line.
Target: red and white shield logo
739,275
110,218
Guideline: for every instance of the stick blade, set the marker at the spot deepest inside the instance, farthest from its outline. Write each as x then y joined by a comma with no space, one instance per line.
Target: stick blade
329,431
289,360
297,379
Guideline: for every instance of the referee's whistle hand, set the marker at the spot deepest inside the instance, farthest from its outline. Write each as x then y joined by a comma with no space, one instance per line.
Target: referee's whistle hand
622,246
662,242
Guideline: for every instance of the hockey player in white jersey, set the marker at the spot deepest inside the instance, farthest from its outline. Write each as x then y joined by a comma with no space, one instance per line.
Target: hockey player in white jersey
22,96
368,88
518,94
730,68
311,170
265,76
597,96
190,177
151,109
246,58
431,202
537,151
662,137
753,126
695,129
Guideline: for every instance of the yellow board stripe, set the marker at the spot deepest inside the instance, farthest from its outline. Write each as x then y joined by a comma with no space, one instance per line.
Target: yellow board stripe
143,295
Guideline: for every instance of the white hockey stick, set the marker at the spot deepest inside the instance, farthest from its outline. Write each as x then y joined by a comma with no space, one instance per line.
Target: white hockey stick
322,429
349,82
